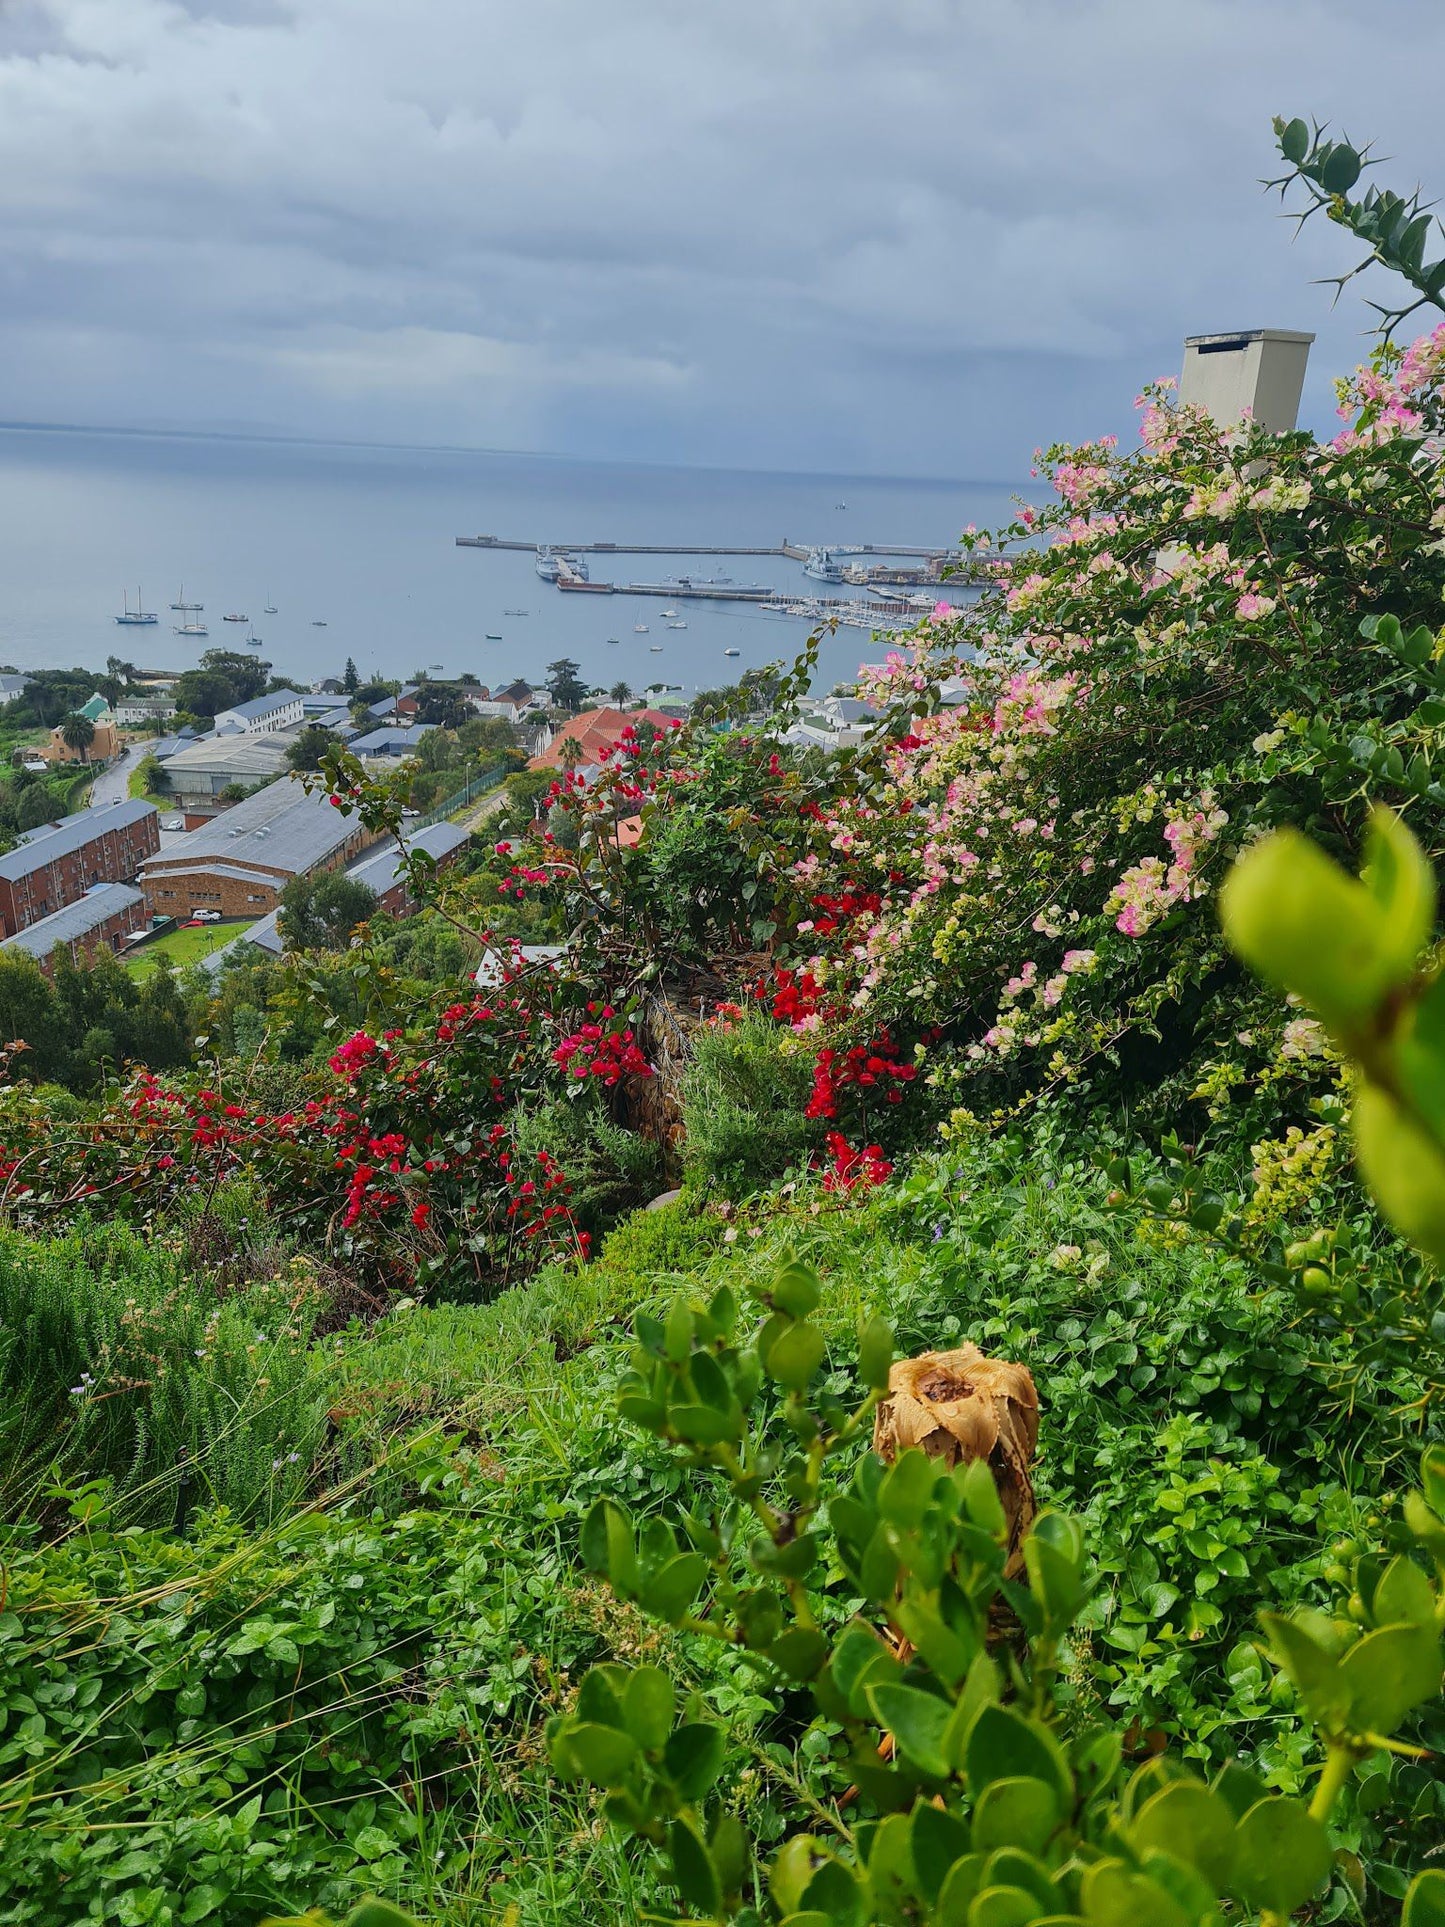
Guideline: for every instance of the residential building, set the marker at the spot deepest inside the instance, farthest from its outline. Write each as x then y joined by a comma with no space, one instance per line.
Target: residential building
580,741
12,683
201,770
103,745
263,715
56,864
380,870
242,859
133,711
100,920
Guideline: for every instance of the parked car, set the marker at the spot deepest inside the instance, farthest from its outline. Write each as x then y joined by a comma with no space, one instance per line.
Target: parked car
207,916
173,822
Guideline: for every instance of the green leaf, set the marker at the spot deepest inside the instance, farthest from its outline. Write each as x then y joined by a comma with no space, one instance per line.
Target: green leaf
647,1707
1294,141
834,1892
1002,1744
705,1424
907,1489
1315,1672
601,1753
599,1698
938,1839
1432,1477
1003,1907
959,1890
1114,1895
1403,1594
980,1498
1425,1900
1388,1672
795,1289
1341,170
795,1356
693,1758
693,1872
799,1652
672,1589
891,1873
677,1332
1401,880
1016,1812
710,1381
1281,1855
1187,1820
918,1722
875,1354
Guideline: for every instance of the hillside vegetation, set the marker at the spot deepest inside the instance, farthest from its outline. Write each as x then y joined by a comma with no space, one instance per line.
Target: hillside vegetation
439,1465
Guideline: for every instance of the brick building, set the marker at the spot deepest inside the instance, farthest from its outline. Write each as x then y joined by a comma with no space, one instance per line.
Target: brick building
56,864
241,861
100,920
381,870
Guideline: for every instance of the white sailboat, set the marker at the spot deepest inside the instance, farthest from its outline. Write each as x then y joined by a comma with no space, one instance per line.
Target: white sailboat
136,615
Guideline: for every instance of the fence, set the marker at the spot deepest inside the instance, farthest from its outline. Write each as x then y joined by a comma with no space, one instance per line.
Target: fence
475,786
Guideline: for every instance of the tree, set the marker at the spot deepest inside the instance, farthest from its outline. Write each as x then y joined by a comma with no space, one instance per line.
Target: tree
620,692
350,680
77,732
123,671
565,685
320,912
311,746
36,806
153,775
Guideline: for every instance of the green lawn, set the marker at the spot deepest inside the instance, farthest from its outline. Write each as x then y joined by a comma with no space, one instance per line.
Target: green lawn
135,786
184,947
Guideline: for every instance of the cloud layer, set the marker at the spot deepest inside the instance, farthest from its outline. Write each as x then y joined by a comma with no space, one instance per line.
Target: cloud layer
911,236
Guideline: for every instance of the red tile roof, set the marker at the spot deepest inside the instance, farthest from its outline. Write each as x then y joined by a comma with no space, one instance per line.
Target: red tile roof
593,731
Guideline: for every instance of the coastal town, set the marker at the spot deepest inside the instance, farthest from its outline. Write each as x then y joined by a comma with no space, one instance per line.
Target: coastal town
188,824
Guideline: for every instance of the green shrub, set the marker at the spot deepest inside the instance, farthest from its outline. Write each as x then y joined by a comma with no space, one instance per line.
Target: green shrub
117,1365
610,1170
743,1099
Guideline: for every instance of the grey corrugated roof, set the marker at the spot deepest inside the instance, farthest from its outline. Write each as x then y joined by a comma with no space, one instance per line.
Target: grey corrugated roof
380,869
280,827
238,872
78,919
382,742
251,755
263,705
42,846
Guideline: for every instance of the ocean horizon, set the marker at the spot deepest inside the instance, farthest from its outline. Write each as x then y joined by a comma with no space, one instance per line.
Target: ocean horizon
361,537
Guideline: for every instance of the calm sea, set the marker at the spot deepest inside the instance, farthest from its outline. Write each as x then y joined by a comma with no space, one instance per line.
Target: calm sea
362,540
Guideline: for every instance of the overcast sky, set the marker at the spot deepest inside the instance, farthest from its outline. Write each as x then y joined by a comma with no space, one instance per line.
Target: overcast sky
896,236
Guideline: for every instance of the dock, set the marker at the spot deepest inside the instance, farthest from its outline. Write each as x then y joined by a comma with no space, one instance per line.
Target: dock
890,570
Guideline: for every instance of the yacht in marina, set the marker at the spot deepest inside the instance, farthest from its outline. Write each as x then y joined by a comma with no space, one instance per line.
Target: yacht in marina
136,615
639,629
184,607
192,628
677,625
235,618
732,652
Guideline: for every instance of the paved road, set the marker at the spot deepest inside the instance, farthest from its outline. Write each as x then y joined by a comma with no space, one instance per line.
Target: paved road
112,785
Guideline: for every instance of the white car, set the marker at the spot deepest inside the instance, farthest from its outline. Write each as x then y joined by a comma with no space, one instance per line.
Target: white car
206,916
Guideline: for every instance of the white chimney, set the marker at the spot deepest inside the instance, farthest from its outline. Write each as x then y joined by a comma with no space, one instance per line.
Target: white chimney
1260,369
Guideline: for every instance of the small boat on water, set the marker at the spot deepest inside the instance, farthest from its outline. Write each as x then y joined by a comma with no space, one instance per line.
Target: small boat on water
185,607
192,629
253,642
492,638
732,652
317,624
669,612
639,628
677,625
515,612
136,615
235,618
613,641
657,649
269,610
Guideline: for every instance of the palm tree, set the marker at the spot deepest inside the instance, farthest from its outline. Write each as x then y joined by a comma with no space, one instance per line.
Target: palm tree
78,732
620,693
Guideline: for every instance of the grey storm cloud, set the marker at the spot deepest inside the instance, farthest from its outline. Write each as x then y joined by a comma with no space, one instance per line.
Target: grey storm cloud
911,236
